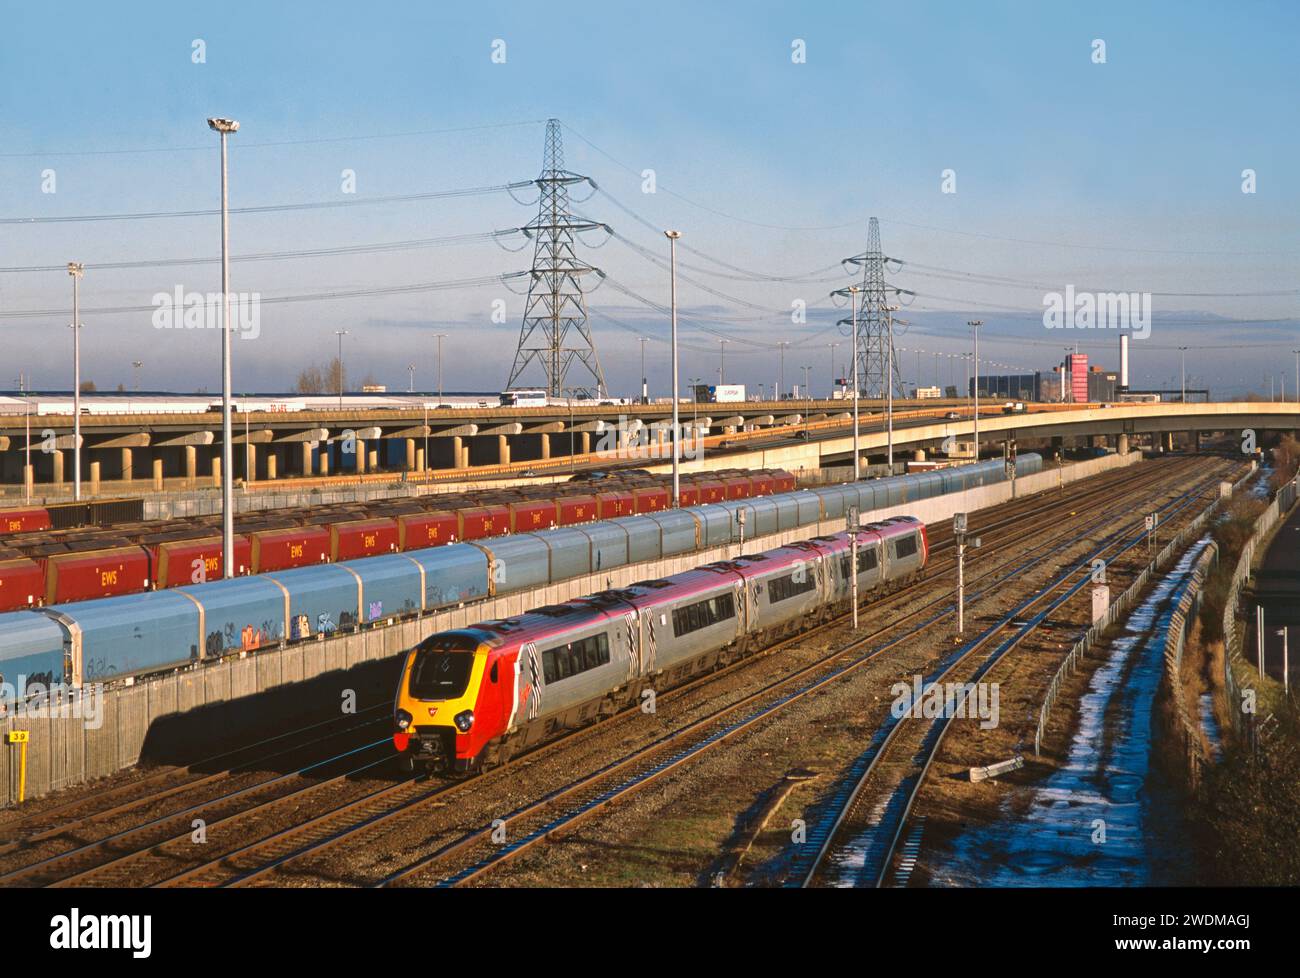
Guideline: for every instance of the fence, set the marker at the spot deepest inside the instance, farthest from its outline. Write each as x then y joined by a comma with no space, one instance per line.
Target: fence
1175,642
1232,633
1118,609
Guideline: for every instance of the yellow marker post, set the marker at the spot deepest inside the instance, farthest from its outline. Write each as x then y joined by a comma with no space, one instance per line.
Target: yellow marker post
21,737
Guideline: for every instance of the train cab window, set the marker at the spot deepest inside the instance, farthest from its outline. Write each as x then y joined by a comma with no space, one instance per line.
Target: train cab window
572,658
692,617
905,546
495,674
442,667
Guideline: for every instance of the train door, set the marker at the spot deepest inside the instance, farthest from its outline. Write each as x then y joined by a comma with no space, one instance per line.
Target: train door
647,652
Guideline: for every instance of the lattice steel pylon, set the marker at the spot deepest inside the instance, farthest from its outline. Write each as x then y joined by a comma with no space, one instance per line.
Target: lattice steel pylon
555,330
873,323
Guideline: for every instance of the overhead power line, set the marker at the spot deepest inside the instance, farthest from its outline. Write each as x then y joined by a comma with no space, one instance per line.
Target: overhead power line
379,248
276,208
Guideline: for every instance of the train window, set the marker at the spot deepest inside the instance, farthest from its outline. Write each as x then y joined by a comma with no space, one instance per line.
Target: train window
572,658
781,588
702,614
867,561
495,673
905,546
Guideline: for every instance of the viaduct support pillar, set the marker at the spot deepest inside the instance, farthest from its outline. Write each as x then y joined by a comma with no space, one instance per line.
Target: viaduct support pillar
128,465
503,450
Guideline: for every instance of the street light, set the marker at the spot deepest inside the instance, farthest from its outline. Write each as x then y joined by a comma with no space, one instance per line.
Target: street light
645,386
853,373
137,364
722,361
975,325
1182,350
672,237
410,369
440,337
340,333
781,345
225,127
76,270
889,386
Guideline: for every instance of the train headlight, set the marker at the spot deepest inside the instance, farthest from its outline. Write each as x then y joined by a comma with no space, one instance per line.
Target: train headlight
464,721
403,719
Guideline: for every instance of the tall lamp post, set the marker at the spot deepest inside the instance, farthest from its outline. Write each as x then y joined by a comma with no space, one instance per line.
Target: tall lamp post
722,361
76,270
853,375
340,333
889,386
781,345
440,337
672,237
975,325
225,127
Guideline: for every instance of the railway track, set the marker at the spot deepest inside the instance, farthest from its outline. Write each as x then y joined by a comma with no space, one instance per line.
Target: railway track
864,827
588,796
375,808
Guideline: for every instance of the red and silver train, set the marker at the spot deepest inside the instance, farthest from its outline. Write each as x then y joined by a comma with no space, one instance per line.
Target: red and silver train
473,697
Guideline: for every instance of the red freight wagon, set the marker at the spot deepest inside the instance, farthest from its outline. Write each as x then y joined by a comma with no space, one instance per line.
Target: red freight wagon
737,487
295,546
762,484
362,538
616,502
785,482
711,491
576,509
477,522
535,514
22,583
420,530
690,494
181,562
652,500
24,520
96,574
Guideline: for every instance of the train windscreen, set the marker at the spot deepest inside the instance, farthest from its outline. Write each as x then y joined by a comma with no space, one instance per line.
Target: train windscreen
442,667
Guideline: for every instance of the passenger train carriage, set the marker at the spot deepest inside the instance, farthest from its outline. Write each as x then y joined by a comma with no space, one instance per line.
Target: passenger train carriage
475,696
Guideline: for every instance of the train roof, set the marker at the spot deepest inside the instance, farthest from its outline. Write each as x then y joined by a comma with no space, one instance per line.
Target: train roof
27,633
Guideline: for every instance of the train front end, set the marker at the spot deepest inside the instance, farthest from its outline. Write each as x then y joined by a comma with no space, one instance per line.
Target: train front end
440,721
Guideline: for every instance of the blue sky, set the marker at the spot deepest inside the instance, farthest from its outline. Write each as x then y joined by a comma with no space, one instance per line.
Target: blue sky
1123,175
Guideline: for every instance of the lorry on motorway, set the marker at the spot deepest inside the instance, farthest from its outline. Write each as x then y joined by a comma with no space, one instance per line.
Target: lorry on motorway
720,393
